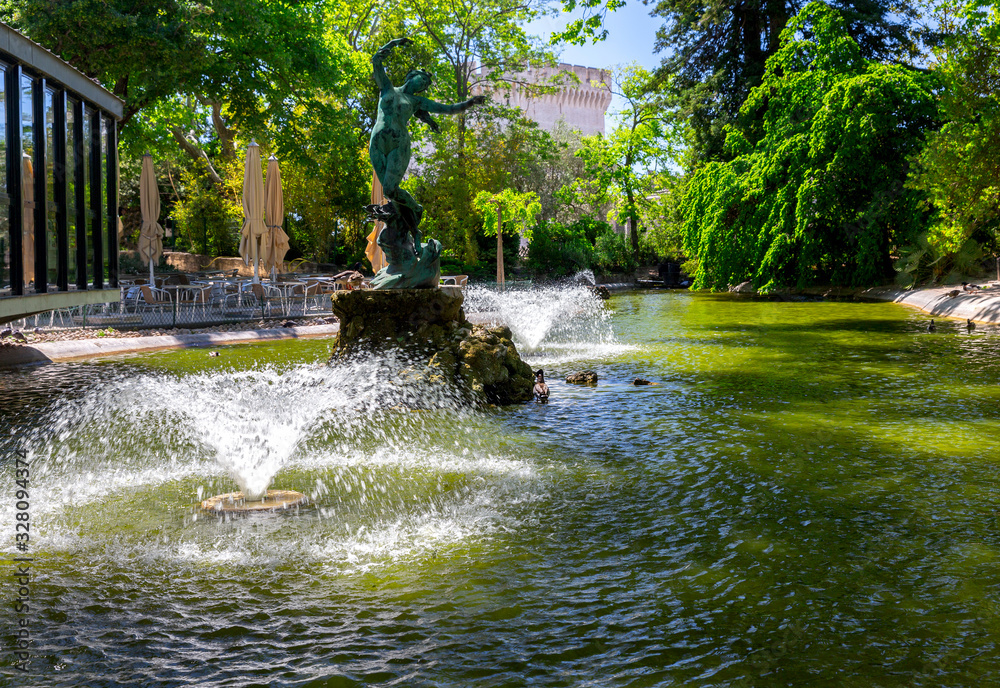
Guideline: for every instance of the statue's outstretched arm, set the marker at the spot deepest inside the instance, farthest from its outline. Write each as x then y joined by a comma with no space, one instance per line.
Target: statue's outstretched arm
429,105
426,118
380,77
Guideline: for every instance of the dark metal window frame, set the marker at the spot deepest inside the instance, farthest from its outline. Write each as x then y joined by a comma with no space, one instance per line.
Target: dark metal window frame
102,208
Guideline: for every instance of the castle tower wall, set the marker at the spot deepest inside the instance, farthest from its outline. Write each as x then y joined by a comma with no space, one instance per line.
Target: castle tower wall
582,105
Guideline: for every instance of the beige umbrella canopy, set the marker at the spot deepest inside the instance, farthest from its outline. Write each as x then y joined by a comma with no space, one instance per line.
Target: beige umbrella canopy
151,234
374,253
28,218
252,246
274,215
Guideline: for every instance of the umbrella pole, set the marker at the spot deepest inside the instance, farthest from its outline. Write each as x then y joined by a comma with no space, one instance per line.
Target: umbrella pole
151,282
256,279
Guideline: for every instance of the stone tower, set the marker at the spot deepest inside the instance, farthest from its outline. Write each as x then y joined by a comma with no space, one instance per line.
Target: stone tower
581,105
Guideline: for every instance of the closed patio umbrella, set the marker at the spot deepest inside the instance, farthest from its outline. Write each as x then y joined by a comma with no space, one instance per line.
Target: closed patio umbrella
373,252
151,234
274,215
252,246
28,218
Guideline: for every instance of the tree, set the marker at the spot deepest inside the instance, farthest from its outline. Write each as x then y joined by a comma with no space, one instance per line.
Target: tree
475,46
479,44
518,209
716,50
814,192
959,169
517,212
502,150
640,144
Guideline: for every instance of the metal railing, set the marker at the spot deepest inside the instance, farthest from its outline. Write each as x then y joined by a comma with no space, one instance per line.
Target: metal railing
132,314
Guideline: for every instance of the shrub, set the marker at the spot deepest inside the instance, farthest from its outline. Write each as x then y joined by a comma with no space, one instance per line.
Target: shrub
560,249
613,253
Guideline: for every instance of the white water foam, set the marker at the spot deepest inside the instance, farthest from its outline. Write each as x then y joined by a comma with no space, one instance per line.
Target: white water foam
552,325
390,483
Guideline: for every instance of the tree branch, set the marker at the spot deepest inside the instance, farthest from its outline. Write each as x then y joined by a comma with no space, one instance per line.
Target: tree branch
196,153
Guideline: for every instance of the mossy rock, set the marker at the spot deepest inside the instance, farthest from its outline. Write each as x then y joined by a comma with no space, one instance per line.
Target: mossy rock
429,327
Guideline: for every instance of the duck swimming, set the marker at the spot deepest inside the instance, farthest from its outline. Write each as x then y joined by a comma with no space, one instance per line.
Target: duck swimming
541,390
969,325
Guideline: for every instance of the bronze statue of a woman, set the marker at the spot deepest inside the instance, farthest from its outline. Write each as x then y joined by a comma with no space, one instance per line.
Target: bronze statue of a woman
411,265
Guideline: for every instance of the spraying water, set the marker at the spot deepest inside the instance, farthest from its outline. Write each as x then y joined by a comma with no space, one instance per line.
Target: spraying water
552,324
249,422
392,466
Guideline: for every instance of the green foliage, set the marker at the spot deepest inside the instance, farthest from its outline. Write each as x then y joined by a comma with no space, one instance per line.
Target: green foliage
560,249
717,52
664,237
519,211
958,168
589,26
624,164
814,192
463,38
923,261
208,221
500,150
131,264
613,253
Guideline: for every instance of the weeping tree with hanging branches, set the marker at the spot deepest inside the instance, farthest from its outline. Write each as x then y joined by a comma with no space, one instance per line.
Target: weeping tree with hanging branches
814,191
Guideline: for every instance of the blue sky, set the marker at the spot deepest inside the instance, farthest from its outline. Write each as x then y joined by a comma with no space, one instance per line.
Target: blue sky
631,34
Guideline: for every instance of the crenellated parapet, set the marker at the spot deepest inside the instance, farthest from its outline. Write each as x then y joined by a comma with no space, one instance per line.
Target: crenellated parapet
581,102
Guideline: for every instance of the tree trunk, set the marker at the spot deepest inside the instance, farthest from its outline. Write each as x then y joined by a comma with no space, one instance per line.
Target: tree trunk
633,221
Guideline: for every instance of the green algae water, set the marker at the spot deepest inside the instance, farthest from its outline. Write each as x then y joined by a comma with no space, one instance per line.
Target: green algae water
808,496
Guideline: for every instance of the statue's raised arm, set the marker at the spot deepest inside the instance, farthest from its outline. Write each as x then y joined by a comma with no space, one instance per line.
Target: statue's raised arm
380,77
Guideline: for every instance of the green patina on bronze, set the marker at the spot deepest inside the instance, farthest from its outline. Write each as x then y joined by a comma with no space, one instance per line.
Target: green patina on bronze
412,264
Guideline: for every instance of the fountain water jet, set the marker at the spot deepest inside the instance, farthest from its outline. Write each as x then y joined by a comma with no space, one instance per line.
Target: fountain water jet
552,325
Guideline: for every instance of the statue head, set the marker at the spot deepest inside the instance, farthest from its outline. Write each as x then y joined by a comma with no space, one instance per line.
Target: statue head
416,81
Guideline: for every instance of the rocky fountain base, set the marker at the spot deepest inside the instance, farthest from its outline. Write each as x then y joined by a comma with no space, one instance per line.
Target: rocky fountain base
440,346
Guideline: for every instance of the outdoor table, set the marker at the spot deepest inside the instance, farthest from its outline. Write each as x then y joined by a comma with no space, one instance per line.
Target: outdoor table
174,290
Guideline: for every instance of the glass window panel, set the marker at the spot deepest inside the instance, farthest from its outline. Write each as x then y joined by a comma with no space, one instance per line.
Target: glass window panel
104,176
4,198
51,236
85,151
27,181
71,157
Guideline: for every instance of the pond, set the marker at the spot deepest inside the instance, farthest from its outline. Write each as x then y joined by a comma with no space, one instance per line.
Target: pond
808,496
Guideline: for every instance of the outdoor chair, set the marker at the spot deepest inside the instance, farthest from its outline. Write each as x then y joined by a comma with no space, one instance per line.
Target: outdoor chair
153,299
305,292
261,297
194,296
239,299
130,298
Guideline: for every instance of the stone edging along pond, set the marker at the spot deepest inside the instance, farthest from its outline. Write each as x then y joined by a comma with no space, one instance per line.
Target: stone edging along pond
78,349
89,348
980,306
